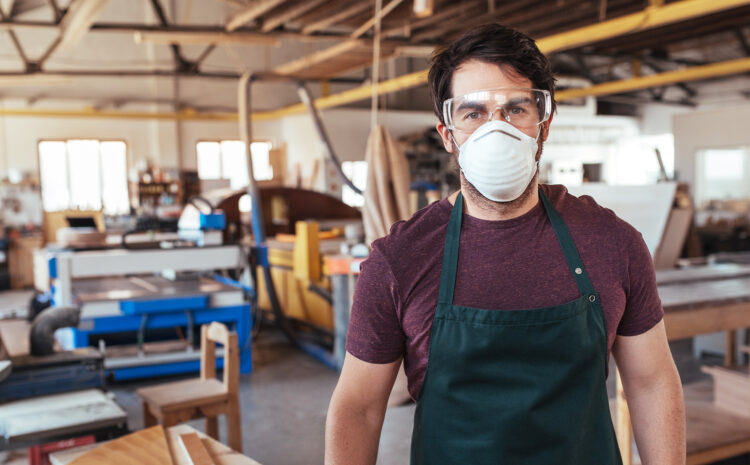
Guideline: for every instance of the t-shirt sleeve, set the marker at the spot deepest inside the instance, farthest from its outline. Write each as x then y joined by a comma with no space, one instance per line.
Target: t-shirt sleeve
643,309
375,334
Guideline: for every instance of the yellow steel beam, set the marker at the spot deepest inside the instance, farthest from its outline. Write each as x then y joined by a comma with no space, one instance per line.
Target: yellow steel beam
651,17
694,73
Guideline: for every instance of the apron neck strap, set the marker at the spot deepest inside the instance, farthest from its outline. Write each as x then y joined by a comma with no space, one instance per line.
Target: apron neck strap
452,240
568,247
450,253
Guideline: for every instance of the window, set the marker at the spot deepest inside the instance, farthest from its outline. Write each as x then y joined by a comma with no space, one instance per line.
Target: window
722,174
356,171
226,160
84,174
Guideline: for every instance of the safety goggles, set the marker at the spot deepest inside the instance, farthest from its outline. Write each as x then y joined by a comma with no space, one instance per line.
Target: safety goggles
521,107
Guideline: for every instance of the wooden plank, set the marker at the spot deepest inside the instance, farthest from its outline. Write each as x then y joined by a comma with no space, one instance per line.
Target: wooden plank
221,454
300,64
303,7
253,11
681,324
14,335
371,22
339,59
356,8
196,451
145,447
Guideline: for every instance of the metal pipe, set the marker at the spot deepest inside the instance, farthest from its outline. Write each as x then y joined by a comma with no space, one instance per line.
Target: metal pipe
304,95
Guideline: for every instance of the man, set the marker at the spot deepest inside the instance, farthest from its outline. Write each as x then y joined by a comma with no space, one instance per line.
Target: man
505,314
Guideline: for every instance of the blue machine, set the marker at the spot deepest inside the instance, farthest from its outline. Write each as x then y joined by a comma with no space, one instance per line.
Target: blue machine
143,306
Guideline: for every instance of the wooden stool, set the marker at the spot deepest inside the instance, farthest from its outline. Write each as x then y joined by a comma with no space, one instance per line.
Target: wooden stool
173,403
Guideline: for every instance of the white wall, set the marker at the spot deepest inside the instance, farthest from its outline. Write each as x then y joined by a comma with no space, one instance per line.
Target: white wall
701,129
348,130
158,140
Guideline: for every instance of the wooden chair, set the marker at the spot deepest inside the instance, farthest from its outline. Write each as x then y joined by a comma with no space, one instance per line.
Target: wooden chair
173,403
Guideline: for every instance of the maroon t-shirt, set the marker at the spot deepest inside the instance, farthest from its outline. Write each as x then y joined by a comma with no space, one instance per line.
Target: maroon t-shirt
505,265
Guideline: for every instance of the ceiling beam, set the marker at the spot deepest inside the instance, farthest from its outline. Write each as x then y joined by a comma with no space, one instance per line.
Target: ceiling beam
56,11
695,73
195,38
180,61
65,75
689,91
77,20
253,11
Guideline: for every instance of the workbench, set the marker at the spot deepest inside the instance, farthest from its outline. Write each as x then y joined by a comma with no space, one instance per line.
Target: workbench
45,419
696,301
221,454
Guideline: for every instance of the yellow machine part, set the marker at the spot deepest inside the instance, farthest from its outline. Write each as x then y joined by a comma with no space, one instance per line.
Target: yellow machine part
295,300
292,272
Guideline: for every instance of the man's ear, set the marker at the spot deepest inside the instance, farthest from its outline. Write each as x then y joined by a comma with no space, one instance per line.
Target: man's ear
445,134
545,128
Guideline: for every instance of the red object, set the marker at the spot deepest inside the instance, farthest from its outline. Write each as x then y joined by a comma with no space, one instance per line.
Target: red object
39,455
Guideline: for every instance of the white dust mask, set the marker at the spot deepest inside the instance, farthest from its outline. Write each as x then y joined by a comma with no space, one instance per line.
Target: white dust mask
499,160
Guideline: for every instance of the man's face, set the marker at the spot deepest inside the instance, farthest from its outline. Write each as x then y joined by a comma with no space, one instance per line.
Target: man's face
476,75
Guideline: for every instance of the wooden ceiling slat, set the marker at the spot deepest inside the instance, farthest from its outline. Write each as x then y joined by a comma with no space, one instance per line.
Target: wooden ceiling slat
371,22
253,11
289,14
327,21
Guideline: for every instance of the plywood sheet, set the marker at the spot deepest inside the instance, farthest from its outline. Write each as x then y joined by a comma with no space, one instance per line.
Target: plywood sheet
58,414
145,447
646,208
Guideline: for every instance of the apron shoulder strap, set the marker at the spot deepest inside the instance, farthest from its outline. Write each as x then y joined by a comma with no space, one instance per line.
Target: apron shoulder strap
568,246
450,253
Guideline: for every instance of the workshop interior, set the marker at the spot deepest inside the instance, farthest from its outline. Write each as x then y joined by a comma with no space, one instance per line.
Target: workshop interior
188,189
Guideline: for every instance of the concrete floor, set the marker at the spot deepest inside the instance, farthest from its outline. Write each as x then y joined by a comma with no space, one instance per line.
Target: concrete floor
284,404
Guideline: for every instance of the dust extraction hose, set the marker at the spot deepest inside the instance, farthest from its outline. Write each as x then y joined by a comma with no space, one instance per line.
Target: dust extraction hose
42,337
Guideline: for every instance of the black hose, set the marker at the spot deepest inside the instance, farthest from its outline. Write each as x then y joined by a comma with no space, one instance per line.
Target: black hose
196,199
42,336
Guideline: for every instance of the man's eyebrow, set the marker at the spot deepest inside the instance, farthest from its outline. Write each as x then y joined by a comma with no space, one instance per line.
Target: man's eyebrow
471,105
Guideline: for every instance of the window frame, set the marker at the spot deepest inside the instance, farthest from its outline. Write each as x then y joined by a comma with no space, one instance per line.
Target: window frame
99,140
221,160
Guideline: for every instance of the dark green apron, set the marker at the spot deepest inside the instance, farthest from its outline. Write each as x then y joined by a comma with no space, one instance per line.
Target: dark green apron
515,387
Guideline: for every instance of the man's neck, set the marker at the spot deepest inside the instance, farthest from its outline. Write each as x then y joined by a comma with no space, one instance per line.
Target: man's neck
481,207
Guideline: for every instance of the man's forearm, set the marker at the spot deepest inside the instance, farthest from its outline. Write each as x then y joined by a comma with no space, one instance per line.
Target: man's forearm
658,416
352,437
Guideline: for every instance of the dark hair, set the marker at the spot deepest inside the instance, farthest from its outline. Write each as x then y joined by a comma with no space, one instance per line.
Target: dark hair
492,43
